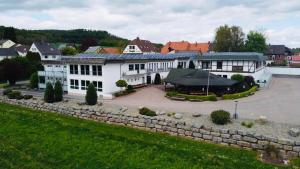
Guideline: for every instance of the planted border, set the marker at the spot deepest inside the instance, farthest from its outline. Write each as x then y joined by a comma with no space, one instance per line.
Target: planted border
173,94
234,96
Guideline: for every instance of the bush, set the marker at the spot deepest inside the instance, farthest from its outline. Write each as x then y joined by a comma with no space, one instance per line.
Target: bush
240,95
27,97
157,79
272,151
220,117
249,80
49,93
6,91
19,97
34,81
14,95
91,95
58,92
211,97
121,83
130,89
238,77
147,112
191,65
247,124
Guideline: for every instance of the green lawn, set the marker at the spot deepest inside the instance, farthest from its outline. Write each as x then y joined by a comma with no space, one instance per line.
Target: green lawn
34,139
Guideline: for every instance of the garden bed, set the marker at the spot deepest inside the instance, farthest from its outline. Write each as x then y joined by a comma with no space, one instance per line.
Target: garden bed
179,96
247,93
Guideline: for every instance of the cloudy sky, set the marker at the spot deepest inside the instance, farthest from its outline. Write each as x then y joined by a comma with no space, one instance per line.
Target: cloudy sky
159,20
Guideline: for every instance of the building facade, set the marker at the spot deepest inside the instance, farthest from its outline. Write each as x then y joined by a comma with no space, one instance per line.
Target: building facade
139,46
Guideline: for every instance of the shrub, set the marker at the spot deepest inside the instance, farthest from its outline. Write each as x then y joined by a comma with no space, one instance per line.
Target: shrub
130,89
272,151
211,97
157,79
58,92
191,65
240,95
91,95
6,91
238,77
172,93
247,124
14,95
147,112
121,83
49,93
249,80
220,117
34,81
19,97
27,97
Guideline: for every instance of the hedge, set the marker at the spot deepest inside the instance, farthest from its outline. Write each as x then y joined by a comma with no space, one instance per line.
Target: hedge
240,95
211,97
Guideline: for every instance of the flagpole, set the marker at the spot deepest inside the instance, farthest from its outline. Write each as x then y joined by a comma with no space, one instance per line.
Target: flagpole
207,87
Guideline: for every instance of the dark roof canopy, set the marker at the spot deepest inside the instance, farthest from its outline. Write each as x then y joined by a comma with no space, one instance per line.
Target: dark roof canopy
251,56
47,48
196,77
8,52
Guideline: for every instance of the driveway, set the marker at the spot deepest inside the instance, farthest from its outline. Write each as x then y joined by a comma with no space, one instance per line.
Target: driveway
279,102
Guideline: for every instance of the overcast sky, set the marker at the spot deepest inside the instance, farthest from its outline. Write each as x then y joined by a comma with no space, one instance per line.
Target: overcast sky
159,20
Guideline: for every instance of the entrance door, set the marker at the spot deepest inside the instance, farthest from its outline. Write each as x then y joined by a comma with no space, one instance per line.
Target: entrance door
148,79
143,80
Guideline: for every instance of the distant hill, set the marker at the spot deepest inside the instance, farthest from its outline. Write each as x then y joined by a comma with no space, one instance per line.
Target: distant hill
75,36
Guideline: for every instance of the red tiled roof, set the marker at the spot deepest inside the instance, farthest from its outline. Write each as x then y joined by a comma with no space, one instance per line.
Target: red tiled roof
185,46
110,50
144,45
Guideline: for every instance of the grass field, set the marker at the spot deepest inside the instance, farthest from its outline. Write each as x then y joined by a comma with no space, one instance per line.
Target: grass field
35,139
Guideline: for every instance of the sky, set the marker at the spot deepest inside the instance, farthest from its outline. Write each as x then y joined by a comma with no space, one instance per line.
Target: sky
159,21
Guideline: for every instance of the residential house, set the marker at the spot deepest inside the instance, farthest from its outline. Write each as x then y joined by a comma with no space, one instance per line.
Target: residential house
226,64
6,43
295,59
7,53
46,50
139,46
185,46
22,50
278,53
103,50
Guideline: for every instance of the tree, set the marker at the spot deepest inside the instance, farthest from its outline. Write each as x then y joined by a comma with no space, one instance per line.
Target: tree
91,95
157,79
238,77
255,42
69,51
9,33
34,81
191,65
229,39
49,93
87,42
121,83
33,56
58,92
11,70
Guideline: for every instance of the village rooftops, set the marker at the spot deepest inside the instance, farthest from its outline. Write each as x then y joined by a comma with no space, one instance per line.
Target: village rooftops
8,52
250,56
47,48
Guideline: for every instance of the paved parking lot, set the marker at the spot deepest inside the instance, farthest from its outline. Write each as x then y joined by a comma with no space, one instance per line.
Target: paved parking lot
279,102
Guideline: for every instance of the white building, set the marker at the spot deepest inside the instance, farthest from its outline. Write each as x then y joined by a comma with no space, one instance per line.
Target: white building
139,46
8,53
226,64
6,43
105,70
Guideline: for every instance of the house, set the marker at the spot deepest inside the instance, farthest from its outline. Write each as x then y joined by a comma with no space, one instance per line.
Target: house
295,59
103,50
103,70
6,43
226,64
278,53
22,50
46,50
139,46
7,53
185,46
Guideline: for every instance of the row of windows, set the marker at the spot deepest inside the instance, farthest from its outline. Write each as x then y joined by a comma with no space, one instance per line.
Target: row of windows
85,70
74,84
132,67
162,65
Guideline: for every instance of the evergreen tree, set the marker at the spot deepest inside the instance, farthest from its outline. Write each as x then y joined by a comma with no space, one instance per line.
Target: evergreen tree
157,79
191,65
49,93
34,81
91,95
58,92
9,33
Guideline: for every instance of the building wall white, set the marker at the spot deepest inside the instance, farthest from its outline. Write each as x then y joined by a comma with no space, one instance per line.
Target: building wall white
135,50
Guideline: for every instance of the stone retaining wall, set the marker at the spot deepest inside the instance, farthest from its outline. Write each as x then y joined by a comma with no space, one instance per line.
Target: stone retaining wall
236,138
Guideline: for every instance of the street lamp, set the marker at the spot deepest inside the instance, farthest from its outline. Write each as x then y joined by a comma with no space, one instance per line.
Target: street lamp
235,115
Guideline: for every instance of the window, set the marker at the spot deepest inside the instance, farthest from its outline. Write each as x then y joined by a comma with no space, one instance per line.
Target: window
130,67
84,84
225,76
42,79
142,66
53,56
85,69
98,86
49,65
206,65
74,69
74,84
46,56
219,65
132,47
137,66
237,68
97,70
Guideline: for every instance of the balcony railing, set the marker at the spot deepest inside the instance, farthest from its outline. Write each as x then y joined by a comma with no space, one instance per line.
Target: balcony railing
52,73
158,70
